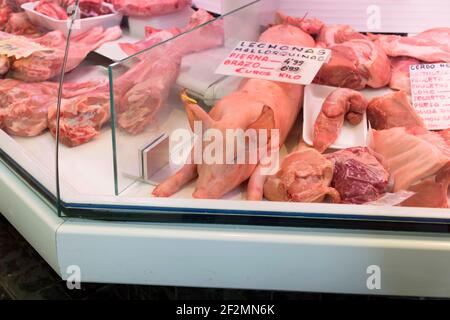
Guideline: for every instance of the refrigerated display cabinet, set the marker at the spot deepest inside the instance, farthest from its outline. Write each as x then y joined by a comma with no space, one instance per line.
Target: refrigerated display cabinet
86,201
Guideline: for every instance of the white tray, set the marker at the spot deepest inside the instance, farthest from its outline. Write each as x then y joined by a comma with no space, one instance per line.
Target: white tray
79,26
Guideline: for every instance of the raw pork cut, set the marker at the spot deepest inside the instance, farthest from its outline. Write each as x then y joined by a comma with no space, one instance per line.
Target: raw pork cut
142,90
147,8
5,12
258,104
24,106
400,79
19,24
43,65
51,9
305,176
81,117
310,26
411,154
209,32
4,65
330,35
339,105
429,46
358,176
431,193
393,110
355,64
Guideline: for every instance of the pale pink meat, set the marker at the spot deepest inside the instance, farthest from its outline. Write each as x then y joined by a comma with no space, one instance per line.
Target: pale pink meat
19,24
24,105
393,110
143,89
411,154
305,176
310,26
432,192
400,79
429,46
147,8
51,9
330,35
208,33
44,65
354,64
81,117
258,104
341,104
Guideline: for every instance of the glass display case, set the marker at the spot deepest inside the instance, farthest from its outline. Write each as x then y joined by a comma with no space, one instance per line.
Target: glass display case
125,144
119,136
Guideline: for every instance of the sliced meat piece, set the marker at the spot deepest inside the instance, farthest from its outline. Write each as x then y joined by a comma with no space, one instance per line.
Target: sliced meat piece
305,176
420,47
411,154
355,64
19,24
339,33
400,79
339,105
359,176
310,26
393,110
51,9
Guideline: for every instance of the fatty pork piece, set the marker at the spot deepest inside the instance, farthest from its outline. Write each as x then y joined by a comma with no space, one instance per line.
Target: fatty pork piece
355,64
43,65
358,175
149,8
400,73
430,46
258,104
24,106
304,176
339,105
81,117
411,154
393,110
432,192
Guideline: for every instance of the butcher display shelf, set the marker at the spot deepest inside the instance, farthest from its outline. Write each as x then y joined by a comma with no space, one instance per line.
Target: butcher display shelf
88,201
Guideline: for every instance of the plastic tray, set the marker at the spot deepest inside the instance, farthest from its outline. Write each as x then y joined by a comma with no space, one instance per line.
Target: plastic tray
82,25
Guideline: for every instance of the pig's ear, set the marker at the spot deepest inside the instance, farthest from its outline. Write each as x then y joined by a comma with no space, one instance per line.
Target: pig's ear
266,119
195,112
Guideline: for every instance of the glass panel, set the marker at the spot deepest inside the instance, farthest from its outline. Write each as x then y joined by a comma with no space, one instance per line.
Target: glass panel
146,96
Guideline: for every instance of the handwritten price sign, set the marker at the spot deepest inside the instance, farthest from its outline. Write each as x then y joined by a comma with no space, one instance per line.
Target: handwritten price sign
276,62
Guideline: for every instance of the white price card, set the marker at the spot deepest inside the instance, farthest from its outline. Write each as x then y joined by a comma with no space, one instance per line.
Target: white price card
430,91
276,62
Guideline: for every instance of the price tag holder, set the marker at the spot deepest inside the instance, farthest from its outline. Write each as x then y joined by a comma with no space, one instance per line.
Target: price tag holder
277,62
430,91
19,47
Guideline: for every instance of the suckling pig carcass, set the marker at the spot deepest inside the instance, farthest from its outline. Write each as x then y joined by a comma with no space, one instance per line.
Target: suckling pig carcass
258,104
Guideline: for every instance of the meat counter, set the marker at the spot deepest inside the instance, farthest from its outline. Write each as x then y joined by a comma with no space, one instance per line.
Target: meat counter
122,180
